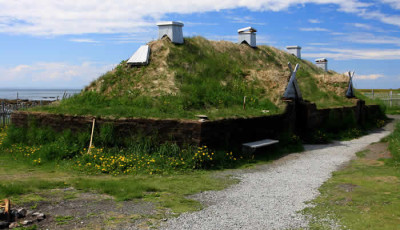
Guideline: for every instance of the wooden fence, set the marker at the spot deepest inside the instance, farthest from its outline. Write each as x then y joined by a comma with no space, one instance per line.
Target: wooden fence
390,98
6,108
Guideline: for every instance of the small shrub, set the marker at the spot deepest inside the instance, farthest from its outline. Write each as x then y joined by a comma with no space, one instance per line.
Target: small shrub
394,144
318,137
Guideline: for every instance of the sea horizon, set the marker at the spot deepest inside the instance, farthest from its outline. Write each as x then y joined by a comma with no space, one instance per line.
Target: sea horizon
36,93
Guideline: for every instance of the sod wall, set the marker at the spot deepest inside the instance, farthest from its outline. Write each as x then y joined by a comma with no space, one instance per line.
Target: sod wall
299,118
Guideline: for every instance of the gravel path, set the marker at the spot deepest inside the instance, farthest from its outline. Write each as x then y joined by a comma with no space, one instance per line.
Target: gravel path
269,196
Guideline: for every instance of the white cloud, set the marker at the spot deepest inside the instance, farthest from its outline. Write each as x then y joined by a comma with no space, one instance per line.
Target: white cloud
49,17
314,29
200,24
349,54
318,44
368,77
395,4
52,74
83,40
361,26
134,38
388,19
314,21
338,33
244,20
368,38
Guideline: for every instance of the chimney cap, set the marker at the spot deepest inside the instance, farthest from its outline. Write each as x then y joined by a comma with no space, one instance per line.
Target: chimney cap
167,23
293,47
247,30
321,60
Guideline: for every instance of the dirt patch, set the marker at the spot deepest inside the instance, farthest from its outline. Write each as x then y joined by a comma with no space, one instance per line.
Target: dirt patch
72,209
344,201
378,151
374,152
372,162
347,187
385,179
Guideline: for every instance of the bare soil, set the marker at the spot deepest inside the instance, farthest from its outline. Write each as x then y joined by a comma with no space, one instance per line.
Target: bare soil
71,209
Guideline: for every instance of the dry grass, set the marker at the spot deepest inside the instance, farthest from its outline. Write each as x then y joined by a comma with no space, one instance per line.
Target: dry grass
158,78
153,80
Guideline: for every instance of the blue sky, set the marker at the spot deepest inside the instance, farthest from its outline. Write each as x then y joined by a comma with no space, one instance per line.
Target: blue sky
67,44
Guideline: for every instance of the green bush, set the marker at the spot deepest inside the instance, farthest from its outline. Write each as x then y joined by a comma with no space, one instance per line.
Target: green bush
394,144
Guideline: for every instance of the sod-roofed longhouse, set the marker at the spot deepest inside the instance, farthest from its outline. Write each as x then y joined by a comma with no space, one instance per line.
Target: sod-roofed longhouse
176,77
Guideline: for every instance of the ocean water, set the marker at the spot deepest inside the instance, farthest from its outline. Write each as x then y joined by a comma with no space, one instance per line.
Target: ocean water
36,94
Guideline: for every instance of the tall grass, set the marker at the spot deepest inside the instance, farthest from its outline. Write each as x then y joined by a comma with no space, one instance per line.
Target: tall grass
394,144
112,154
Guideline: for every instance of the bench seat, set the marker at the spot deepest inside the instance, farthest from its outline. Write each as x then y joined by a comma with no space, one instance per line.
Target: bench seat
257,144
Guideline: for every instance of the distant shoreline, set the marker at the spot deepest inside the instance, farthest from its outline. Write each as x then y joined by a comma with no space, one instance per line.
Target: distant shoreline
25,101
37,94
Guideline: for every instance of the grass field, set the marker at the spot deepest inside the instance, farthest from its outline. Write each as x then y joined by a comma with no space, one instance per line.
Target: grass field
380,98
35,171
365,194
38,159
379,90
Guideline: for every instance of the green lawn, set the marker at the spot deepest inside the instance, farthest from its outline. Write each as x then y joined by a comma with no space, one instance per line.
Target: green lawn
23,183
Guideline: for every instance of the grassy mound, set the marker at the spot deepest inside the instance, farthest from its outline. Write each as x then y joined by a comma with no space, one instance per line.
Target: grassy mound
204,77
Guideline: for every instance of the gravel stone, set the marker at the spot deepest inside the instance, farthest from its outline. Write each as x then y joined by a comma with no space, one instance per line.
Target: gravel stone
270,196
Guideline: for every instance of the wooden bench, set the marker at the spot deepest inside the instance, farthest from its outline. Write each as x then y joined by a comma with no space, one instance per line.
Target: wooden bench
252,146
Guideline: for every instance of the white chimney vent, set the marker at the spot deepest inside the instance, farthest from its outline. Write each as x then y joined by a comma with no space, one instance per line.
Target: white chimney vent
295,50
248,35
173,30
322,63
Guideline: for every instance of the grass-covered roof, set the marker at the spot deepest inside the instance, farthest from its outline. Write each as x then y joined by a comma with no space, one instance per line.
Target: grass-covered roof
204,77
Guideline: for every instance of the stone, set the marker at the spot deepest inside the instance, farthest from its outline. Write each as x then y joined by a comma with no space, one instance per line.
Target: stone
4,224
27,222
21,212
201,116
14,213
36,213
13,225
40,217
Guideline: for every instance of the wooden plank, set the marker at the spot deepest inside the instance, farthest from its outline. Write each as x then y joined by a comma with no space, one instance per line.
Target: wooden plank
141,56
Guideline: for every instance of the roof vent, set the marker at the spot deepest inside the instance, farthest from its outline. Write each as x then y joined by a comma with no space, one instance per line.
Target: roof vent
295,50
322,63
248,35
171,29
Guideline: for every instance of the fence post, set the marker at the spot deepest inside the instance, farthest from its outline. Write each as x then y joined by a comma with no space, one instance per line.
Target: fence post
372,94
391,93
3,115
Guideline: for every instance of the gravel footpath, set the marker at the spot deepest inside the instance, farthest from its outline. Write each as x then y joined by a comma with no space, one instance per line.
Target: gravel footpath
269,196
